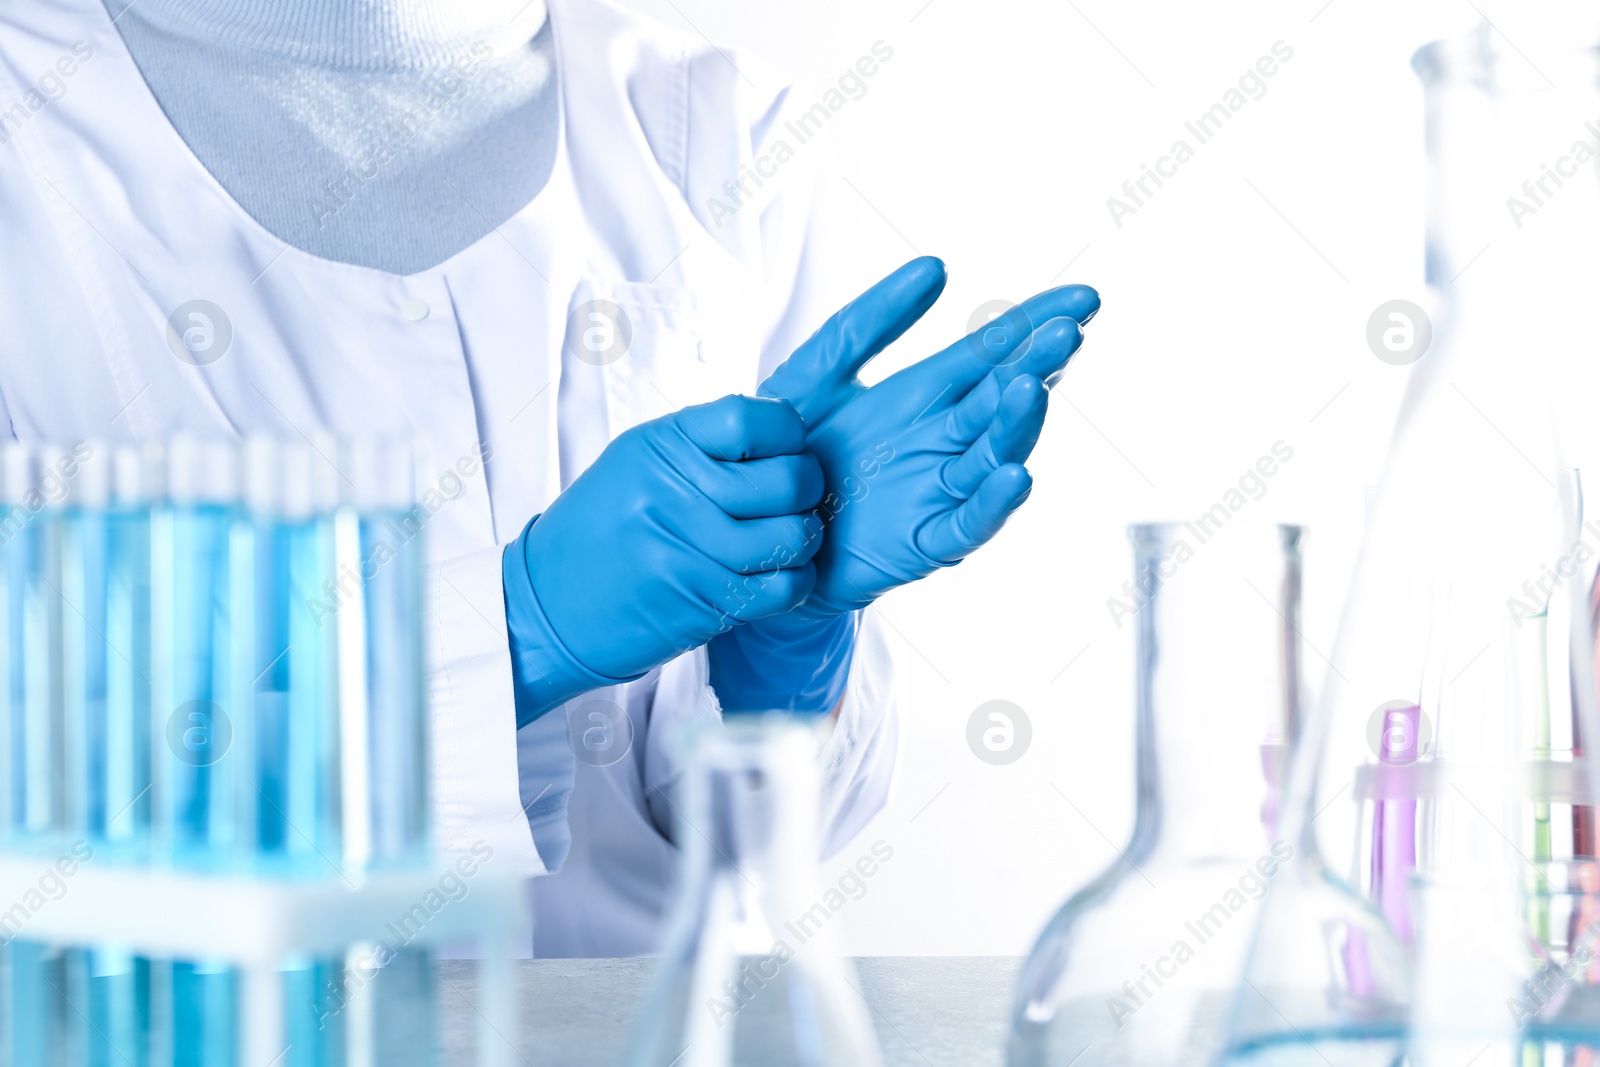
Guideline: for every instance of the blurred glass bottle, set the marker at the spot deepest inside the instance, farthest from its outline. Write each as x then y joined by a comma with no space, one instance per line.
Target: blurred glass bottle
751,972
1443,775
1139,966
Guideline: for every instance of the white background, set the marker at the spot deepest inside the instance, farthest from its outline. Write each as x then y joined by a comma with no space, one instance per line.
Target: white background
1235,308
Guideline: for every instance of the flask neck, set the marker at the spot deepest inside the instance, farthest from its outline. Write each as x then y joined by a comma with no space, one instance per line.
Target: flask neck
750,970
1511,156
749,829
1217,687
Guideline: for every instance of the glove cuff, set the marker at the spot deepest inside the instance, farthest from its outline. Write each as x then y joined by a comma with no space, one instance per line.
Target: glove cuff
789,662
544,673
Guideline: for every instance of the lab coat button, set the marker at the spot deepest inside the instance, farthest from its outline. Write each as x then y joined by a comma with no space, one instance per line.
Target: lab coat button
415,310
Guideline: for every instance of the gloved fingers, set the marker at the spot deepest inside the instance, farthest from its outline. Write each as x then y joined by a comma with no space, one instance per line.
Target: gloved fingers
1005,340
1020,419
762,488
749,546
958,533
1053,344
812,377
971,416
1010,437
755,596
742,427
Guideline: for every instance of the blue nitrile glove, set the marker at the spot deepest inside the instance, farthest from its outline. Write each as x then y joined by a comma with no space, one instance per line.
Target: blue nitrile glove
925,466
683,526
790,662
922,469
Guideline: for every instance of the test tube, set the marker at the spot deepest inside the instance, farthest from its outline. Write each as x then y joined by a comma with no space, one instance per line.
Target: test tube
136,482
200,588
30,543
200,584
30,1003
292,663
14,782
105,991
204,1026
381,536
106,648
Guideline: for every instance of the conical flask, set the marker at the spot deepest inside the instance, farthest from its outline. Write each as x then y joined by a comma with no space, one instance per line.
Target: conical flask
1139,966
751,972
1442,777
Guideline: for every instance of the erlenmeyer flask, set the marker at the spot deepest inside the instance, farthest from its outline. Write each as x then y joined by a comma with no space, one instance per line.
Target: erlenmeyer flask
1442,776
1139,966
750,972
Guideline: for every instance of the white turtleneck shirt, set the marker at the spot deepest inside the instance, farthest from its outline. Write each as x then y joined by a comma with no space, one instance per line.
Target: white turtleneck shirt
390,134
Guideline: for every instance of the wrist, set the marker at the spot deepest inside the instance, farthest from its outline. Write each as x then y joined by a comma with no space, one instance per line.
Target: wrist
544,672
789,662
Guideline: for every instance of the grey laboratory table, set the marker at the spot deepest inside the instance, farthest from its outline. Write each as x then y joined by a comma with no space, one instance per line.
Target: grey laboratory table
929,1010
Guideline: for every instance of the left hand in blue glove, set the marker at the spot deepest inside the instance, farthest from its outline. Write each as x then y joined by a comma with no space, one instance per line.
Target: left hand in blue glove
926,466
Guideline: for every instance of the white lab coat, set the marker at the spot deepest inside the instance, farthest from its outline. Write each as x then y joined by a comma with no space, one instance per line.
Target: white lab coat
108,224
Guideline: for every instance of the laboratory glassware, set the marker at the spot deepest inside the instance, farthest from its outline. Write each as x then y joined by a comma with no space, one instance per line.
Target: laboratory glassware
1444,779
202,590
290,733
213,661
36,791
750,972
76,1007
379,548
1139,966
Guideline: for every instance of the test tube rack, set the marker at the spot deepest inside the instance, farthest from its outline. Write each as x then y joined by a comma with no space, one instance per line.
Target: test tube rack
141,899
255,924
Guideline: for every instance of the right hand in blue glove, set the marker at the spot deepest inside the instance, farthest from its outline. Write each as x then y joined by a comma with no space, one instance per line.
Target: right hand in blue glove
683,526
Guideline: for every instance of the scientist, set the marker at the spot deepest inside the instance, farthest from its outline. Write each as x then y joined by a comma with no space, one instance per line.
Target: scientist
504,226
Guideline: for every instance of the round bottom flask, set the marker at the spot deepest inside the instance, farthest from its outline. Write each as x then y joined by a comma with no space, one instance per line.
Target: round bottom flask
1140,965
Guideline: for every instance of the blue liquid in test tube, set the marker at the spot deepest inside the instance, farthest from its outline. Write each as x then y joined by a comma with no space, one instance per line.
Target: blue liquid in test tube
29,1014
381,553
196,591
107,994
200,587
106,625
35,787
292,665
213,660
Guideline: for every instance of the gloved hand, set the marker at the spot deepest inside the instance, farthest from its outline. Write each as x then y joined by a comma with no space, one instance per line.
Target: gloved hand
925,466
921,468
683,526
